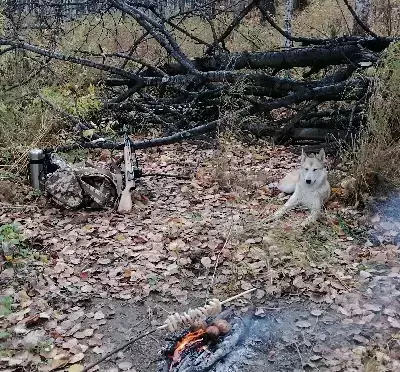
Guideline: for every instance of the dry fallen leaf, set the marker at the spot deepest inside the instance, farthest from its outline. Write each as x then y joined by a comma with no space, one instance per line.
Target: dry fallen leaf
206,262
245,285
125,366
99,315
103,261
298,282
58,363
316,312
98,350
79,335
76,368
260,294
127,273
343,311
70,343
88,332
373,307
259,311
395,323
76,358
87,288
303,324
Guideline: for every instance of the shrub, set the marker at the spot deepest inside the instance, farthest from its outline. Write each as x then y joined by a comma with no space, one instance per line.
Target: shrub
376,160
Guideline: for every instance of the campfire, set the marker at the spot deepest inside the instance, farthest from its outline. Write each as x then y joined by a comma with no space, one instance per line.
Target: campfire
189,341
202,333
203,337
201,346
223,343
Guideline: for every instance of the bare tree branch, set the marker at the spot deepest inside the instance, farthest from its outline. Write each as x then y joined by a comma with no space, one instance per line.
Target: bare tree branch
165,39
139,145
17,44
234,23
359,21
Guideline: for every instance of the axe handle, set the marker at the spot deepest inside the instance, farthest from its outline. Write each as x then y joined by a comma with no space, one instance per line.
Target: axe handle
125,203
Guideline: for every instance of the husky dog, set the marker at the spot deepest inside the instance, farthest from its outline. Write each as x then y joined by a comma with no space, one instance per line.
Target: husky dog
309,186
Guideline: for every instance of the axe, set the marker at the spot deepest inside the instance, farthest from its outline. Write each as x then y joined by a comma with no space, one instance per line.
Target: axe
125,203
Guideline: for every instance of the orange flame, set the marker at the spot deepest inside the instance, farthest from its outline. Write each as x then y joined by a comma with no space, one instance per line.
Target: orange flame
190,339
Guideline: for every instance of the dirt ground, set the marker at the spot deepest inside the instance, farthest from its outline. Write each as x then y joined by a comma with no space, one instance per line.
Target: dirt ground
80,283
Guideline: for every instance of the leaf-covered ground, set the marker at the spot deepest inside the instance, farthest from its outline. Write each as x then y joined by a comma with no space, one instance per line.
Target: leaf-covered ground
77,284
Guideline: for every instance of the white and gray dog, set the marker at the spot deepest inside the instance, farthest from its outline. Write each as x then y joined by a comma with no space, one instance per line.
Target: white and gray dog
309,186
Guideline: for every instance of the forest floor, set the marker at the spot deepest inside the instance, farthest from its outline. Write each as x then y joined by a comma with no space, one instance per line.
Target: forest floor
79,283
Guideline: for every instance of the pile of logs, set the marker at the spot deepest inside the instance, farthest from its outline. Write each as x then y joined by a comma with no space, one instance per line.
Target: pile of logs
312,94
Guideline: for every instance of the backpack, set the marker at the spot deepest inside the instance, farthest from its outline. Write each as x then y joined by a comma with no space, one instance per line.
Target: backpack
72,186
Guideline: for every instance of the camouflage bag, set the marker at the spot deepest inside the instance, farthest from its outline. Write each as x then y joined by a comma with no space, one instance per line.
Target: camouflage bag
72,186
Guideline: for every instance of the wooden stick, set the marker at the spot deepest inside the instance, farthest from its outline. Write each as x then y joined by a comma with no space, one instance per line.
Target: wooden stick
230,299
16,206
131,341
152,331
222,303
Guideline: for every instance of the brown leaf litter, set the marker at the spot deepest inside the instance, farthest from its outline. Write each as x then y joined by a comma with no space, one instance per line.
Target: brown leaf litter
173,247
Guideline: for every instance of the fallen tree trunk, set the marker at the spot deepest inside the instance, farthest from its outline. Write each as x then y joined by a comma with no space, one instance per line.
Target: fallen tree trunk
336,122
346,91
321,56
139,145
324,135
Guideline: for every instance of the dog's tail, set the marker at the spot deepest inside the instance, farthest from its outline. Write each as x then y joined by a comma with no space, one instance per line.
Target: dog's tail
288,183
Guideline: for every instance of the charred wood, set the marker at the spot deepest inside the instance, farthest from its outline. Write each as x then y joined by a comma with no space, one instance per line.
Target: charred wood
334,112
299,57
259,129
319,134
330,148
345,91
288,128
138,145
339,122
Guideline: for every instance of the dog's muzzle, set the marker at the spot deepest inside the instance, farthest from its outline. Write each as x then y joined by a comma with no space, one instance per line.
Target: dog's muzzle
308,181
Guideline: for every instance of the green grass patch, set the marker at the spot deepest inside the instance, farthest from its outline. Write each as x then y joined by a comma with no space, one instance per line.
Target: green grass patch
6,303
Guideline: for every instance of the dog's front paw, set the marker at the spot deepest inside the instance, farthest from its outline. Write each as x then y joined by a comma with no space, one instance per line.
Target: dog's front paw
307,223
269,219
275,216
304,224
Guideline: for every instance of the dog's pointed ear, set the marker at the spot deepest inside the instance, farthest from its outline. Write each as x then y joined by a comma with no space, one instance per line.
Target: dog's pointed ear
321,156
303,155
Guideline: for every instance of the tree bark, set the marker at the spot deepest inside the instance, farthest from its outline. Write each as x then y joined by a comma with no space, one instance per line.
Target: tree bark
348,90
266,6
316,134
362,9
322,56
138,145
300,4
288,22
